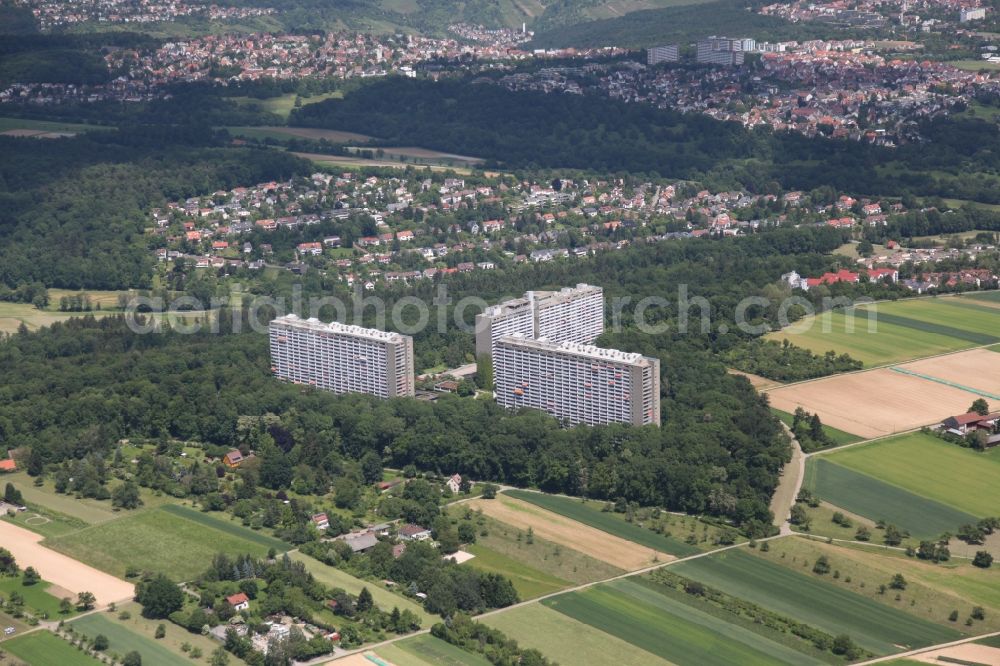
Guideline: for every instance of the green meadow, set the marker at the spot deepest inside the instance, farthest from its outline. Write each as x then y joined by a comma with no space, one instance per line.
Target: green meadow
590,513
157,540
897,331
868,496
431,651
873,626
671,630
567,640
123,640
36,597
528,582
932,468
43,648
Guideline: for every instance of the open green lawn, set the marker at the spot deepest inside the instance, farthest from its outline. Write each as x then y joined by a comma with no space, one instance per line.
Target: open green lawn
36,597
874,626
838,437
903,330
988,296
108,300
669,629
566,640
528,582
992,641
153,540
283,104
45,125
44,521
975,65
868,496
946,315
932,468
224,524
10,621
932,592
589,513
12,315
436,652
383,598
122,639
43,648
87,510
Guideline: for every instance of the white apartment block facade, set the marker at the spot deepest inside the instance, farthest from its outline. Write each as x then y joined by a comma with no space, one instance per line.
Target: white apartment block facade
724,50
341,358
573,314
658,54
577,383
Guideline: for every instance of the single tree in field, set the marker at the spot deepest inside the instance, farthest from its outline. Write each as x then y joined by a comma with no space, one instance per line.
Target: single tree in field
100,642
365,601
86,600
126,496
892,536
159,597
30,576
65,605
898,582
12,495
980,406
133,658
983,559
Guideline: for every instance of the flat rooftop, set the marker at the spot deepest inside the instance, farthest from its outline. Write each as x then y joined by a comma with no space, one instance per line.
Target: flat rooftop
577,349
313,324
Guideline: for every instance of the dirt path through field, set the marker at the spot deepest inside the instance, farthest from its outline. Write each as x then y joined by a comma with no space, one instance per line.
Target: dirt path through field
570,533
788,486
60,570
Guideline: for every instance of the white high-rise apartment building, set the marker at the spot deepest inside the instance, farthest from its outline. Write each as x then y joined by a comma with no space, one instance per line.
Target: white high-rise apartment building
574,314
341,358
577,383
658,54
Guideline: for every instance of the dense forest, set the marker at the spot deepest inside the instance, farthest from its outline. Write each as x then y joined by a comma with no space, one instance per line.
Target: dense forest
959,157
73,211
86,384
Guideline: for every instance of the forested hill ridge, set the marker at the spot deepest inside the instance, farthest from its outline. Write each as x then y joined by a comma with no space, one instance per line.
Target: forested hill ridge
73,212
674,23
958,157
88,383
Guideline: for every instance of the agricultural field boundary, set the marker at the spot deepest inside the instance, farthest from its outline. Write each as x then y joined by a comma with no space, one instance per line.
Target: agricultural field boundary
968,389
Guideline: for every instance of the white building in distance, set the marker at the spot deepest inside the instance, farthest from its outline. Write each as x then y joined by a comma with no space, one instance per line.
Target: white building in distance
341,358
658,54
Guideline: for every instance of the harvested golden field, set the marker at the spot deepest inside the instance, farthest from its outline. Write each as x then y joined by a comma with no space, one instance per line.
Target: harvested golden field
878,402
968,653
977,369
61,570
553,527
